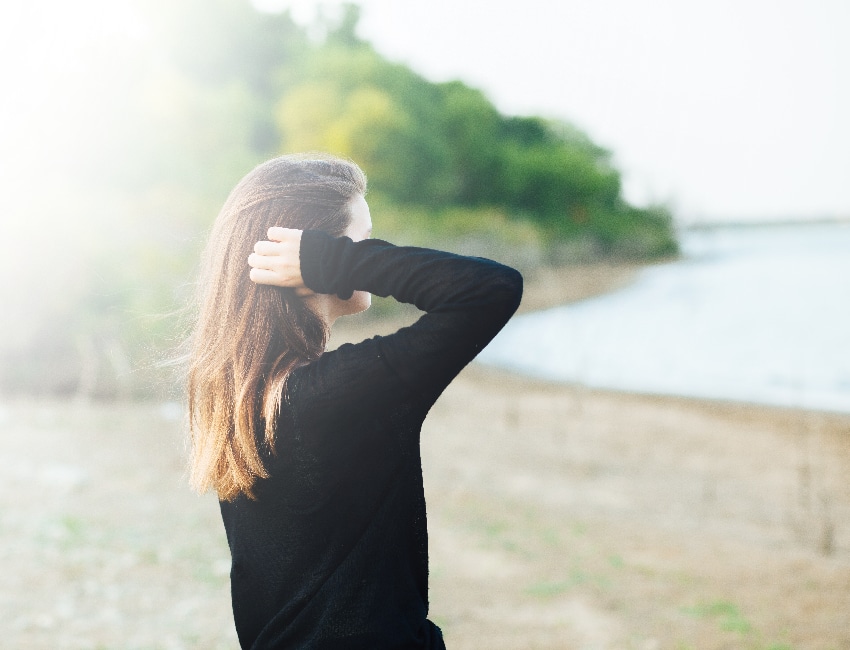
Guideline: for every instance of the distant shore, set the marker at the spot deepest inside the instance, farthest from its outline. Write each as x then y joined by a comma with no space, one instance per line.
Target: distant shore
768,223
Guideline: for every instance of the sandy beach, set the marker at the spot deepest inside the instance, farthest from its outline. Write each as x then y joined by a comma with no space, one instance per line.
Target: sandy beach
559,517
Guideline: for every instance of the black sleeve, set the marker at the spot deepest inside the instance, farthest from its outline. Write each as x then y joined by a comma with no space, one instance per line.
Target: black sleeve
467,301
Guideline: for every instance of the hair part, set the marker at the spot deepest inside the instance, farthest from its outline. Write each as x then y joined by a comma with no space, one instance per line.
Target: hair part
247,337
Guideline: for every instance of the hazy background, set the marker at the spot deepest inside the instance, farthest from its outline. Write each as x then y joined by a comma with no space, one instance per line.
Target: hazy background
125,124
536,132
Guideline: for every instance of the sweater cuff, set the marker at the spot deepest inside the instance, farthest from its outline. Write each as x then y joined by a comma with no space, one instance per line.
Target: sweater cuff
323,259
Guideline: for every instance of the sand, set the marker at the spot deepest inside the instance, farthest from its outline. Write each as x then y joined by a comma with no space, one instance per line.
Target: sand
559,517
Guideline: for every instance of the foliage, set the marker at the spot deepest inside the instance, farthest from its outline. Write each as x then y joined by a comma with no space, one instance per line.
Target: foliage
215,87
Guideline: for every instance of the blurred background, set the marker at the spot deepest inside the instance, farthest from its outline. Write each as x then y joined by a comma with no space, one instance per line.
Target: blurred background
547,134
126,125
673,179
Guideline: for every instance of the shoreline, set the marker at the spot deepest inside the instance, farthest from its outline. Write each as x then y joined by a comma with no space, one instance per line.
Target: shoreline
716,403
742,408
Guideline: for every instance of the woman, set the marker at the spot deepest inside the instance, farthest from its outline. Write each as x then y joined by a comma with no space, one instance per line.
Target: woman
315,455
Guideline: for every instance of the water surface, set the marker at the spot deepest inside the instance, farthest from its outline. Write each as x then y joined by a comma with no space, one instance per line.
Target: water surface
755,314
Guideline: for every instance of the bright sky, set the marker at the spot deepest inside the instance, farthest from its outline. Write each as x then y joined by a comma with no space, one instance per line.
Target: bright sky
45,85
728,110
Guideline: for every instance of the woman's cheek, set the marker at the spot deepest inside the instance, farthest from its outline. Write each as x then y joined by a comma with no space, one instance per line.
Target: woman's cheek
364,300
359,301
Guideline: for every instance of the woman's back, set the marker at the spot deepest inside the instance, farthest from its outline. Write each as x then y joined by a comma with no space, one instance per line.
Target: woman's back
314,454
337,536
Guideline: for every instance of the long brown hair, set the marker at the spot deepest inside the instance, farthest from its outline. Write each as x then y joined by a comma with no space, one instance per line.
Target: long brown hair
247,337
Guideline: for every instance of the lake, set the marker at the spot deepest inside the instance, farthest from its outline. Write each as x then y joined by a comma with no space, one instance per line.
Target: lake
755,314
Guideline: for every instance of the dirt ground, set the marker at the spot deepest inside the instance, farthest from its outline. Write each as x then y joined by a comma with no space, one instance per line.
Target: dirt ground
559,517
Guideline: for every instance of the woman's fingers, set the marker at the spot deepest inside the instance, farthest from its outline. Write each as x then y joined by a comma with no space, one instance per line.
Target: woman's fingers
268,248
267,262
286,274
277,262
265,276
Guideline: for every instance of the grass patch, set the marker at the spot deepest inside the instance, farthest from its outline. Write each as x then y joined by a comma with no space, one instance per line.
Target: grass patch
616,561
551,538
495,529
727,615
501,535
74,527
579,529
549,589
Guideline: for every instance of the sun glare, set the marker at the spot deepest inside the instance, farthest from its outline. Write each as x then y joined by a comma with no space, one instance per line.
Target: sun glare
50,57
59,62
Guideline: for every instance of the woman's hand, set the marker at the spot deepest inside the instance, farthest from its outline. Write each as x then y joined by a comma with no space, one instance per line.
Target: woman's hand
277,261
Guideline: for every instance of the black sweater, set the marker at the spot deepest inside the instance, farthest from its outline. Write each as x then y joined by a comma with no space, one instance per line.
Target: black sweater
333,553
